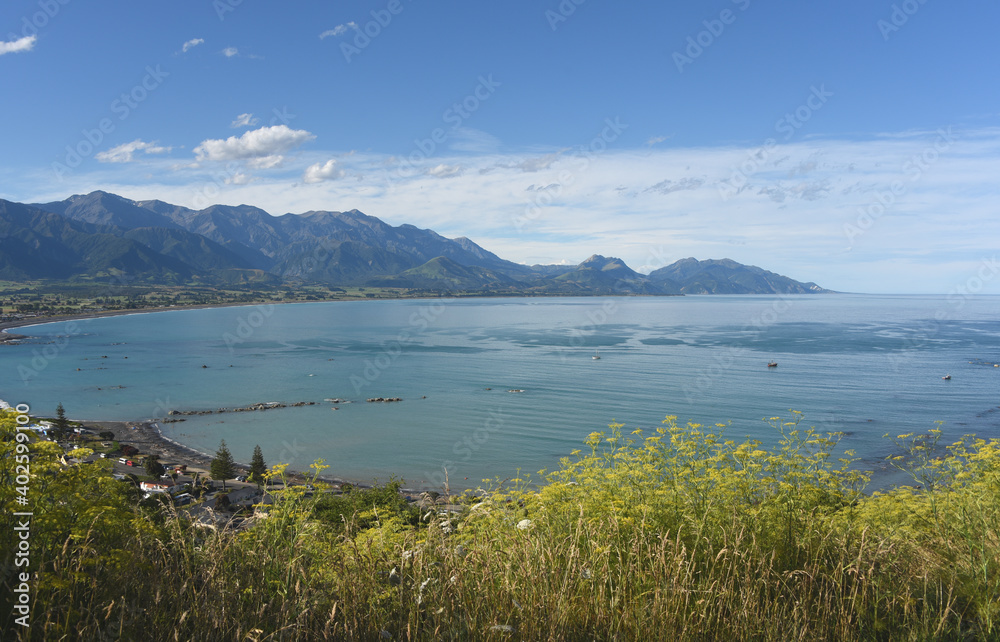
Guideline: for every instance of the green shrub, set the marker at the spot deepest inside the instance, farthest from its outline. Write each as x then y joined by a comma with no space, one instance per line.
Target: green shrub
681,534
364,507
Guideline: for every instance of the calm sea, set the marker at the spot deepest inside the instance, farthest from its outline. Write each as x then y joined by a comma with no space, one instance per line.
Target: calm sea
491,386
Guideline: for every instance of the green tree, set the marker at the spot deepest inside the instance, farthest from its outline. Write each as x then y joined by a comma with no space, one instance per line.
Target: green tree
223,467
257,466
153,466
61,423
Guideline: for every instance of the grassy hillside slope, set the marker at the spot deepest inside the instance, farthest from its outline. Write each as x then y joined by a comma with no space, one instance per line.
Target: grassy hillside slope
679,534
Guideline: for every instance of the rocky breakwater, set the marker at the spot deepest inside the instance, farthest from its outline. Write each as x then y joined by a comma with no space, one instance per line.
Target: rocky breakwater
271,405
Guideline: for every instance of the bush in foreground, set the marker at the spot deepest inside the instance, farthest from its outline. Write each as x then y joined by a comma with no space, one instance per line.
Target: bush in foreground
677,535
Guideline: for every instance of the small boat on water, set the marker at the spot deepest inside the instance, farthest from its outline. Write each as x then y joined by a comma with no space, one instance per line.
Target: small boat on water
946,377
772,364
597,355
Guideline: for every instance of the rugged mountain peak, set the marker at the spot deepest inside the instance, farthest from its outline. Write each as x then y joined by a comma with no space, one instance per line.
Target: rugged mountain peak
100,194
609,264
337,248
104,208
725,276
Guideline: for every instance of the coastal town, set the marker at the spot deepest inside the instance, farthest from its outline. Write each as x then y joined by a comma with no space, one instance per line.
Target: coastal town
163,471
129,450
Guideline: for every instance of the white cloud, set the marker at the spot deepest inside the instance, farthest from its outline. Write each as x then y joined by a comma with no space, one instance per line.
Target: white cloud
668,186
16,46
802,168
245,120
794,223
232,52
444,171
467,139
264,145
266,162
125,152
239,178
339,30
320,172
191,44
540,163
527,165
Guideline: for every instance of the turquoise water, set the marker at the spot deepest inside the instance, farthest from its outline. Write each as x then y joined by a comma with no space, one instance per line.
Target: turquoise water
862,364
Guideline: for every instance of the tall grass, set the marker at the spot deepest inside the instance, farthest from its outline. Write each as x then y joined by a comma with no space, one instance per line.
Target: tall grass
676,535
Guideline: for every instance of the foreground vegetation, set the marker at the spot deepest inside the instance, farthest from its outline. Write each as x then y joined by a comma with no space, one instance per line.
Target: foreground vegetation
676,535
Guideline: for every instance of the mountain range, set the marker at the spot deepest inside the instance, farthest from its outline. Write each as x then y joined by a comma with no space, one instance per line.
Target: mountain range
99,235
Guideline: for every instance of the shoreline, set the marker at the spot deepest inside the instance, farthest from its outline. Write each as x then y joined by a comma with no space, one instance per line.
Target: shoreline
148,439
6,336
147,436
5,326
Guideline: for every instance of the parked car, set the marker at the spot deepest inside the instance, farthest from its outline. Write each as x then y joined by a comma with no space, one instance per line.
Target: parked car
129,462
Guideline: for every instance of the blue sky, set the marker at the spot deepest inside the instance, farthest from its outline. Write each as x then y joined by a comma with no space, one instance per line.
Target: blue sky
855,144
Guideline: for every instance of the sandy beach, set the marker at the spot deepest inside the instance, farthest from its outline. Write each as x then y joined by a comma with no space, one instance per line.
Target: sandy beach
5,326
146,437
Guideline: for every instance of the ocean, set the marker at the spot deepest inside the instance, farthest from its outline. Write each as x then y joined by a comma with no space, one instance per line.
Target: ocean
497,387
